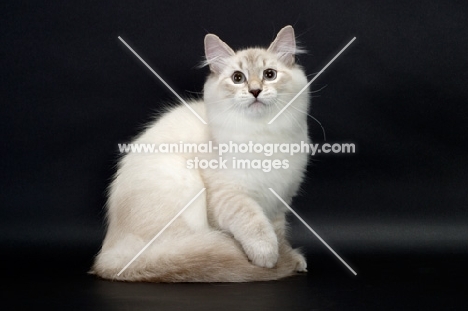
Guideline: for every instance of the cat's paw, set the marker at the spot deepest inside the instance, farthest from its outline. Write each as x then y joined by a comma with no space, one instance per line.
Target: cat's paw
263,253
301,263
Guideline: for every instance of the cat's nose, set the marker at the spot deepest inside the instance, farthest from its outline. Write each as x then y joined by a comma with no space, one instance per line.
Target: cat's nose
255,92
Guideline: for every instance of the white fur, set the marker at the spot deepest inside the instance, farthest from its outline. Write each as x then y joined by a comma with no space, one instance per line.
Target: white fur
149,189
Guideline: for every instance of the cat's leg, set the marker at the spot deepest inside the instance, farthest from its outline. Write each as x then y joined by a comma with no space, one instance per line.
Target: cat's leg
148,192
280,227
231,210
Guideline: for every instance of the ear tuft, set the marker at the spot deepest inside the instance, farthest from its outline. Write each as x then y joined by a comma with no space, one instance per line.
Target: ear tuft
216,52
284,45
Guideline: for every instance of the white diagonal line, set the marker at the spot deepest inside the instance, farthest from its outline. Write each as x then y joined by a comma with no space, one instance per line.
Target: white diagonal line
162,80
308,84
312,230
160,232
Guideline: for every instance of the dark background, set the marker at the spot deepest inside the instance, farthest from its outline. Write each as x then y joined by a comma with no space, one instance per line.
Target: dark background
396,210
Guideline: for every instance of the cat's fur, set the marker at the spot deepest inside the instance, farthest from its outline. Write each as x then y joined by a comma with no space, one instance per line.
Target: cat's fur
234,231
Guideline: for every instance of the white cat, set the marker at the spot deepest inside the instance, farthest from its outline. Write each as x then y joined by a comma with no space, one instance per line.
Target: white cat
235,230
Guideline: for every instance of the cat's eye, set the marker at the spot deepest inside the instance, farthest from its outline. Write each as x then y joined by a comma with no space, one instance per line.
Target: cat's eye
238,77
269,74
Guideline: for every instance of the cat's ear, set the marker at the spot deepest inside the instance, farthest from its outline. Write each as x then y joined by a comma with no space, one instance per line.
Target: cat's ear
216,53
284,45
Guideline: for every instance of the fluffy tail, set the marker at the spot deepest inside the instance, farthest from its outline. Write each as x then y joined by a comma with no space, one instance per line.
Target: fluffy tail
212,257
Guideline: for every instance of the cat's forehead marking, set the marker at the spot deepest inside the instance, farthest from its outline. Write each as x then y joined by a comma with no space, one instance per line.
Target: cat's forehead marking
252,56
254,59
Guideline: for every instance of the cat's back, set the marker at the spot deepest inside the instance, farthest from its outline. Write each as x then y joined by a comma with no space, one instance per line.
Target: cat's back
178,124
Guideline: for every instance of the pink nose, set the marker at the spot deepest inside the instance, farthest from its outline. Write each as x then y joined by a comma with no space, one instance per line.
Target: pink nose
255,92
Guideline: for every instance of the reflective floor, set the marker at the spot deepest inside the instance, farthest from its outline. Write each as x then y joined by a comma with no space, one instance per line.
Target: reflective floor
57,279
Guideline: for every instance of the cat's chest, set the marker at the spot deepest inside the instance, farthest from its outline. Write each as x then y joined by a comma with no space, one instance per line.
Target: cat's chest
258,172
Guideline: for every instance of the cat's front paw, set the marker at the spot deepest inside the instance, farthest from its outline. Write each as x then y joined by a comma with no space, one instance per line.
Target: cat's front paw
263,253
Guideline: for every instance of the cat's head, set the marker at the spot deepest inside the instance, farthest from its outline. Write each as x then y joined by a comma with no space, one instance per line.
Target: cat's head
253,84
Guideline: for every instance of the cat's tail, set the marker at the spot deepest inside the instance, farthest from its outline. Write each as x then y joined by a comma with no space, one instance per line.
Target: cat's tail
209,257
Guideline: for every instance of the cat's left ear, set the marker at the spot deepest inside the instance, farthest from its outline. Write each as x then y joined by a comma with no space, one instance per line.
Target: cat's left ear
217,52
284,45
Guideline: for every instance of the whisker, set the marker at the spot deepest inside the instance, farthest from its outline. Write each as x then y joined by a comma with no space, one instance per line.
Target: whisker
308,92
291,116
315,119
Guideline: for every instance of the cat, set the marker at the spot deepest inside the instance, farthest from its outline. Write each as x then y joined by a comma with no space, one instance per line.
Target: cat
236,230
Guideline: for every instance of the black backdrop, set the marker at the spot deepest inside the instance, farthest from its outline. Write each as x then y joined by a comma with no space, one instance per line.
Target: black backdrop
71,91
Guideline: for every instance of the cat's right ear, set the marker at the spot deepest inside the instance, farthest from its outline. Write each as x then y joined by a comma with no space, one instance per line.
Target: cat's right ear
216,52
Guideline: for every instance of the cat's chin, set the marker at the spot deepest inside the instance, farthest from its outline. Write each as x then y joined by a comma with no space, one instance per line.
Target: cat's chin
257,108
256,104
